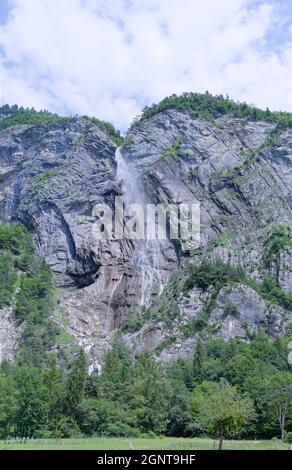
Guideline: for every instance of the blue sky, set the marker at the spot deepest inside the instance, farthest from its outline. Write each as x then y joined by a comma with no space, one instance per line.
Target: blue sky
4,10
110,58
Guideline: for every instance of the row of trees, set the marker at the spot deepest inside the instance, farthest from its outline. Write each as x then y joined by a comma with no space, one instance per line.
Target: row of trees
209,107
259,395
227,389
40,401
15,115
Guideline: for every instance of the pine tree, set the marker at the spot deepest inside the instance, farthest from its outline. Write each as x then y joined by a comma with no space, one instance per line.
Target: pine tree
52,377
76,382
198,361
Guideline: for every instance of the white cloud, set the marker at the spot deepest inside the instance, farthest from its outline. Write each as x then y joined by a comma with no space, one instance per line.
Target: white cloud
110,58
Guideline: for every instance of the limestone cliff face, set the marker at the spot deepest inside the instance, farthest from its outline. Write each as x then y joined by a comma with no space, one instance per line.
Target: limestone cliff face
52,176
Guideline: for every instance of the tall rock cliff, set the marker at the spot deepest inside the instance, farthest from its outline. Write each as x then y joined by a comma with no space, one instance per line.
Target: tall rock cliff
240,171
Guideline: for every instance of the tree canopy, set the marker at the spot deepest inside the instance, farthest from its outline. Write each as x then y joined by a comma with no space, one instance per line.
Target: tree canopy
210,107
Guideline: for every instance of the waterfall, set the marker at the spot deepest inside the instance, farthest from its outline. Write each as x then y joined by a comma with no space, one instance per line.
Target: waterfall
147,253
131,189
146,257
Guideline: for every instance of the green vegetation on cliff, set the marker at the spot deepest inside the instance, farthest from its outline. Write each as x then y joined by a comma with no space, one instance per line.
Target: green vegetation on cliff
210,275
278,240
217,274
26,286
15,116
207,106
109,128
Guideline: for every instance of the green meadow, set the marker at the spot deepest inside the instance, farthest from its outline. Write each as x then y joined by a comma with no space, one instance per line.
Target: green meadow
163,443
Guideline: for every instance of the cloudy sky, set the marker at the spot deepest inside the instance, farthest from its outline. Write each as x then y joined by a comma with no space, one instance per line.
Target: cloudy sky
108,58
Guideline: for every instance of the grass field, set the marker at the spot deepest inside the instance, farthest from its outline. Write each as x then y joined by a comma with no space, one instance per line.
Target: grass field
164,443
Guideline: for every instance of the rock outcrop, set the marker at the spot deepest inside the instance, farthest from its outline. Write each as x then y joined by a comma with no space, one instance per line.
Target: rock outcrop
9,335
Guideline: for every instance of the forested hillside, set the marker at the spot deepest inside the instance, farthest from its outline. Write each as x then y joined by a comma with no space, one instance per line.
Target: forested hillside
245,385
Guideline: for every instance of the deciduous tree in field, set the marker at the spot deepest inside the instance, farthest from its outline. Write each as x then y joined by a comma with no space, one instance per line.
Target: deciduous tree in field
222,410
279,397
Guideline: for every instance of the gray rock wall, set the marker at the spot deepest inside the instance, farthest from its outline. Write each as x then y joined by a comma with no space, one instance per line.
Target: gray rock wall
52,176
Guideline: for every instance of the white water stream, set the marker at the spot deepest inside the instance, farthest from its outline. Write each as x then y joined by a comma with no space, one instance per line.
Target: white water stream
147,253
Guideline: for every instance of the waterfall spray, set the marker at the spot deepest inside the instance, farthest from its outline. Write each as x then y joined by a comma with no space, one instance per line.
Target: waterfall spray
147,253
